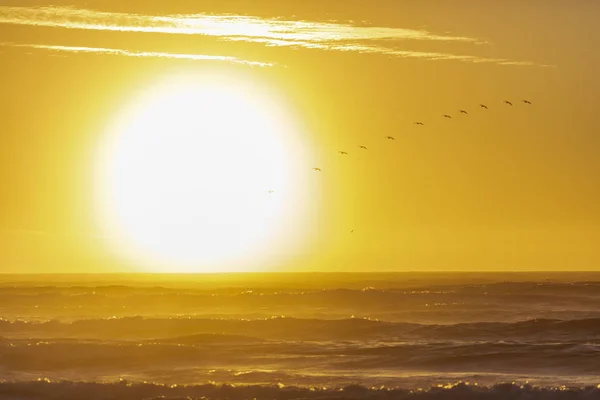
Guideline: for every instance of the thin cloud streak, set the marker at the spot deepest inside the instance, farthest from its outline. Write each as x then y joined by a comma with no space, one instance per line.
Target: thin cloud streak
327,36
210,25
365,49
128,53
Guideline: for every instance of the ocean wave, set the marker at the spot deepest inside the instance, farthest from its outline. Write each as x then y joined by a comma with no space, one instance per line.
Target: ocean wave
211,338
67,390
442,303
283,328
369,332
197,352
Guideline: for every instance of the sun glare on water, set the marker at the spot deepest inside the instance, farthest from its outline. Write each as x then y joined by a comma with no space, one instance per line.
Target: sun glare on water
201,175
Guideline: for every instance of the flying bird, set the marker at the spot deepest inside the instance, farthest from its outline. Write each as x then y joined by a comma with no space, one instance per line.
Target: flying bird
342,152
526,102
483,106
447,116
363,147
390,138
317,169
352,231
508,102
419,123
463,112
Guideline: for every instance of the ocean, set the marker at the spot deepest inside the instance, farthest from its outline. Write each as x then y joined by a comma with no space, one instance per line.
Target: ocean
312,335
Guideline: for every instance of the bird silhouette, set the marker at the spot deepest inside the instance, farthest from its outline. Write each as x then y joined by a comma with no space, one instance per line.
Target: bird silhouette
352,231
526,102
464,112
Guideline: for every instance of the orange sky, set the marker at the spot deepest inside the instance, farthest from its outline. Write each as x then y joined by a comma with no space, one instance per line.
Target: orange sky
504,189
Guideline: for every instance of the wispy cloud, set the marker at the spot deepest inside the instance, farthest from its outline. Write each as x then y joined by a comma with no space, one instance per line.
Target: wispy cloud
227,26
271,32
365,49
128,53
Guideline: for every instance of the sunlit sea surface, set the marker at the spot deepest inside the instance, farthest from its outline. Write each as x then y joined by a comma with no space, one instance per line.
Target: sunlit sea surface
535,335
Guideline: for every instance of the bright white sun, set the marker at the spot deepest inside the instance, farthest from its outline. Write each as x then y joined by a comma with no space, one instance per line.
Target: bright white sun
199,175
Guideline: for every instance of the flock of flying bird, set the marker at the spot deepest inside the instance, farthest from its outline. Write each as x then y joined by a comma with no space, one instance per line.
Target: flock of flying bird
447,116
506,102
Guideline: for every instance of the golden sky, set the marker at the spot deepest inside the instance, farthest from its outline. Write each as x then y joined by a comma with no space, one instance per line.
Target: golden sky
510,188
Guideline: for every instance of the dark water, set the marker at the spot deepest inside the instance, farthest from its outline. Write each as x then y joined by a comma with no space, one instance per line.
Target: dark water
300,335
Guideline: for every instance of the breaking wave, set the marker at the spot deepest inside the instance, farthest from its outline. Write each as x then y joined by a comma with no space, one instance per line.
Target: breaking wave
67,390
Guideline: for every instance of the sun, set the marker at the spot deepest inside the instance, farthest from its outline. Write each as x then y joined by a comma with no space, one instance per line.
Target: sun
202,174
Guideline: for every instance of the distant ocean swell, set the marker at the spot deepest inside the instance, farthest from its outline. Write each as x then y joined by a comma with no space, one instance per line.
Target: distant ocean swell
497,302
